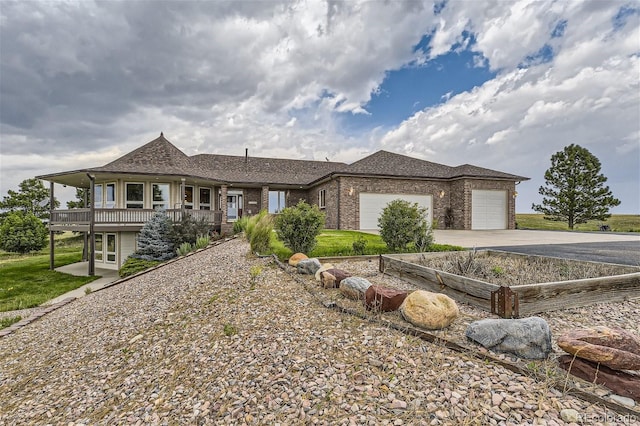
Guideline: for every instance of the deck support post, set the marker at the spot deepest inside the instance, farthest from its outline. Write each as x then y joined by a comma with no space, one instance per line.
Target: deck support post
52,263
92,221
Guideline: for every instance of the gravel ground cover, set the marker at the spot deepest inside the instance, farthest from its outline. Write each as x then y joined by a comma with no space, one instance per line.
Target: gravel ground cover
220,337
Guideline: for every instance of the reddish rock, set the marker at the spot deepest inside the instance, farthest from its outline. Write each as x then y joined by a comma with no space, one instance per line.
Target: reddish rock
613,347
620,382
337,274
384,299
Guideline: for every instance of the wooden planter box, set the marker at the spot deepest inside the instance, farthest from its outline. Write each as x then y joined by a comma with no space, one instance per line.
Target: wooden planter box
516,301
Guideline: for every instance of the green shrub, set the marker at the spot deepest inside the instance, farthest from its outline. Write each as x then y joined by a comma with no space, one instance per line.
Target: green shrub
359,245
240,225
22,233
202,242
134,265
184,249
402,223
298,226
188,229
261,231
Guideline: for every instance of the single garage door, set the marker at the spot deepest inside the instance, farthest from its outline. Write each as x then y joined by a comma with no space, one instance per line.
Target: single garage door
489,209
371,206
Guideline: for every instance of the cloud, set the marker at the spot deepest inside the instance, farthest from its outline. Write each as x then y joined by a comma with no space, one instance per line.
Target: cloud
82,83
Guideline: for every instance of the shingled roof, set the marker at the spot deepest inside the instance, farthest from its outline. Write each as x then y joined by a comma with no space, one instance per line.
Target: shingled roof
253,170
156,157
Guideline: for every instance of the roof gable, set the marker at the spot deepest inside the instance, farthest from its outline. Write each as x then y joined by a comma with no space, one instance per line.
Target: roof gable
156,157
392,164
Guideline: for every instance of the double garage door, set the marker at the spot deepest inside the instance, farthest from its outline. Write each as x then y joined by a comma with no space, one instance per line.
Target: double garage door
371,206
488,209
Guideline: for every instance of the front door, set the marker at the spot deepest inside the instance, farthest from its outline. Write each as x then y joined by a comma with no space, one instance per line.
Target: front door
232,207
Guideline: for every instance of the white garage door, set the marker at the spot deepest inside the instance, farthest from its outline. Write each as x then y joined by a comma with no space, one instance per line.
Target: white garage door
489,209
371,206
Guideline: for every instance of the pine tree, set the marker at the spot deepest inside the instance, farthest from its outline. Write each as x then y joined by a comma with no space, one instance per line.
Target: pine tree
575,190
154,241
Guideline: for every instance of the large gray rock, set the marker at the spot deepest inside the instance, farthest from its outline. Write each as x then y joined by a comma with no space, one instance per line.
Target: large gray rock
354,287
528,338
308,266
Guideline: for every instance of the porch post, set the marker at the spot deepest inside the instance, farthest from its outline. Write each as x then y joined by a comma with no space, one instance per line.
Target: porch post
52,263
182,195
264,201
223,202
92,236
85,234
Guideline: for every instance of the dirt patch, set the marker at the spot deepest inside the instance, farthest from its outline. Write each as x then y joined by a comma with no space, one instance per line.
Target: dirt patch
513,269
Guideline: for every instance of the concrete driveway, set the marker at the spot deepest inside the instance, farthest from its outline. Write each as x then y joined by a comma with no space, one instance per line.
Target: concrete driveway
605,247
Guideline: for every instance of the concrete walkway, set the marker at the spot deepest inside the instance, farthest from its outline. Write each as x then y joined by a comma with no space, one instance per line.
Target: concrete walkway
81,269
521,237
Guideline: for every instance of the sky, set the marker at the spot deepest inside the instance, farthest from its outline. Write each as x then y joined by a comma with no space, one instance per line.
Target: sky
497,84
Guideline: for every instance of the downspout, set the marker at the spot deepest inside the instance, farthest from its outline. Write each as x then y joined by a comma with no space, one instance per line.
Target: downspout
92,221
52,263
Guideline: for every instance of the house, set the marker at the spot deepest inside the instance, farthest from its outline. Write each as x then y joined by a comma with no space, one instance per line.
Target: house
222,188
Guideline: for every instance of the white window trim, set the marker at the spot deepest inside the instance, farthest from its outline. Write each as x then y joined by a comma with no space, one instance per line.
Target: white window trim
200,203
126,200
166,204
110,204
98,203
98,250
322,198
106,252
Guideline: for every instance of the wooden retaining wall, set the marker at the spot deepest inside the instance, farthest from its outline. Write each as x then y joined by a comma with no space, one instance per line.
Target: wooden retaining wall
532,298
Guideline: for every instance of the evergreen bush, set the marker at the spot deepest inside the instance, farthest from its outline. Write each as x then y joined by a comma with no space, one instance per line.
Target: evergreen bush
155,239
22,232
298,226
133,266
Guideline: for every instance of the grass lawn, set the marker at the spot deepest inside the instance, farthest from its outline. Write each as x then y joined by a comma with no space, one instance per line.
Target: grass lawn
26,281
340,243
617,223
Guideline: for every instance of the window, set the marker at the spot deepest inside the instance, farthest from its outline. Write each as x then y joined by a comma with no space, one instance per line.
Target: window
98,248
322,197
111,248
135,196
160,196
188,197
276,201
110,195
205,199
97,196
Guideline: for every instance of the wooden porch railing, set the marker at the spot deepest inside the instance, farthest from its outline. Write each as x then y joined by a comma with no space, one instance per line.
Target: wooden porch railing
127,216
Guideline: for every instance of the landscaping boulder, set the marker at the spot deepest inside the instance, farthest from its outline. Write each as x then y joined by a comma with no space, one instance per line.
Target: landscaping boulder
378,298
354,287
528,338
614,347
308,266
429,310
620,382
294,259
331,278
323,268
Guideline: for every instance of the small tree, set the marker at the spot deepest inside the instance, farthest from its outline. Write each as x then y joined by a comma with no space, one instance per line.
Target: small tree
22,233
78,203
32,197
402,223
154,240
298,226
575,190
